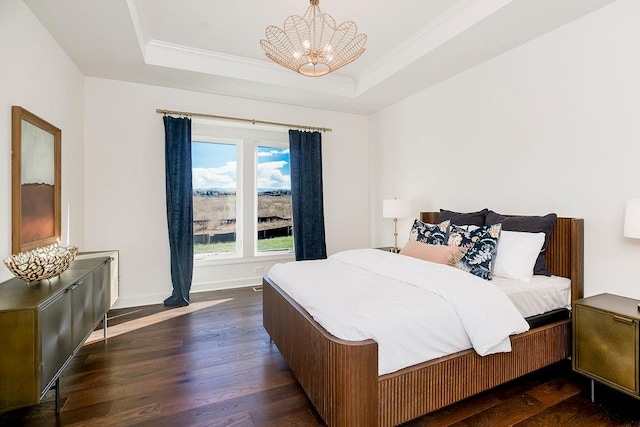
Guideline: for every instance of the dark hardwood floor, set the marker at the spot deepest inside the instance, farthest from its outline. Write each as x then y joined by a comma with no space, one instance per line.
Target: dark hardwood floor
211,364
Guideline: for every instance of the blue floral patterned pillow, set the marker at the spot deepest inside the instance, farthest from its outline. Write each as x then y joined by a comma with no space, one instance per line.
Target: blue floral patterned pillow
481,244
433,234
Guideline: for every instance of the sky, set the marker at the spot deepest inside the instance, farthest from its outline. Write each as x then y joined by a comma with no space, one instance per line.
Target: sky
214,166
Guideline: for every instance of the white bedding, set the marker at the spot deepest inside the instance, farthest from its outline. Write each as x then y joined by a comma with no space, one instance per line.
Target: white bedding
415,310
540,295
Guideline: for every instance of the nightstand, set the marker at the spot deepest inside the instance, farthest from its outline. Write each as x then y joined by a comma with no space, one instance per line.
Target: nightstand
388,249
605,342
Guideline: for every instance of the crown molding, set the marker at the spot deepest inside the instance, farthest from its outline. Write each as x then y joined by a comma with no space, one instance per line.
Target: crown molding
164,54
138,19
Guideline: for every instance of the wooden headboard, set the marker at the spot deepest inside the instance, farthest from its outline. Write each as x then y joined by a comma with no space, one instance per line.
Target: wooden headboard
565,254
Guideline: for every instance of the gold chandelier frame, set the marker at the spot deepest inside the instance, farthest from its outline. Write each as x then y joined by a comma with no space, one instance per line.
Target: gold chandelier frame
312,44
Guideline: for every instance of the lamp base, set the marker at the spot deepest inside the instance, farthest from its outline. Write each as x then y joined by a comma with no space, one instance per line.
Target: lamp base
397,250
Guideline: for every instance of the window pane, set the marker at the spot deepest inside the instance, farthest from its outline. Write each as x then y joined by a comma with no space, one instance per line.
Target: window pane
214,197
275,221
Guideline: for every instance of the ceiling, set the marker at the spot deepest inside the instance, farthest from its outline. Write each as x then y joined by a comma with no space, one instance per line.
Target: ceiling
213,45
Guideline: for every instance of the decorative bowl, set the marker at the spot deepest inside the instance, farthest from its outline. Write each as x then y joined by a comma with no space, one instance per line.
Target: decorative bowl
41,263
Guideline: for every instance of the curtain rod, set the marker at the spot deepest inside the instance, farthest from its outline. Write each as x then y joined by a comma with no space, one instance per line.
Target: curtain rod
239,119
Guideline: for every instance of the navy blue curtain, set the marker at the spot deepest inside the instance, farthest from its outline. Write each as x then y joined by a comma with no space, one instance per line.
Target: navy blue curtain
179,207
305,153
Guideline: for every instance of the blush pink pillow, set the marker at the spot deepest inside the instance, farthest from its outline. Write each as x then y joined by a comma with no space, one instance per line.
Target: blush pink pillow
441,254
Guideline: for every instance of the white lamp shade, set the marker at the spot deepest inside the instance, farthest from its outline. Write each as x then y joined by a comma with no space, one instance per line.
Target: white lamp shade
632,219
394,208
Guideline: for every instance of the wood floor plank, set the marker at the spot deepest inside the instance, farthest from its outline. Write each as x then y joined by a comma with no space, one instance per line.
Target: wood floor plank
186,383
507,413
277,411
227,408
214,365
235,420
133,416
555,391
170,366
575,411
458,411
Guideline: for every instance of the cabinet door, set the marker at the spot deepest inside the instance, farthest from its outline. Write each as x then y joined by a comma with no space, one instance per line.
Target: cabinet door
18,373
83,314
607,348
101,291
56,337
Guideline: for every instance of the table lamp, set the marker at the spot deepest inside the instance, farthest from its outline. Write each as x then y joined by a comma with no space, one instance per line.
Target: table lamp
394,208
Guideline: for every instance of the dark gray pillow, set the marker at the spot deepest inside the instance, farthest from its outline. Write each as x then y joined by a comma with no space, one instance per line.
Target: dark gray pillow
460,218
530,224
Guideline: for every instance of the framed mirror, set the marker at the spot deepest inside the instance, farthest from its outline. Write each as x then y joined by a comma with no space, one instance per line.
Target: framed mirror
35,178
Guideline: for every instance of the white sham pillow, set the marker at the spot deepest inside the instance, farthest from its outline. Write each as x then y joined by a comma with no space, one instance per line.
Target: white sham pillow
516,255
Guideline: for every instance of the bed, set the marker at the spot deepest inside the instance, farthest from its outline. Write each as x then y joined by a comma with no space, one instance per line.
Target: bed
341,377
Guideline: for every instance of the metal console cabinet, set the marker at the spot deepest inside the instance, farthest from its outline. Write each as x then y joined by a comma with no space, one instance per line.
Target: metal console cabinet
44,324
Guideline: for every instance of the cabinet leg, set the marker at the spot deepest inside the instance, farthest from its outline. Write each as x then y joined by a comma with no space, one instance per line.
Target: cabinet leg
57,386
104,326
593,391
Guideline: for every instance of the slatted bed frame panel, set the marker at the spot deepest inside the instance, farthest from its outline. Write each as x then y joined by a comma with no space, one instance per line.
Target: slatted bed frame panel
341,377
415,391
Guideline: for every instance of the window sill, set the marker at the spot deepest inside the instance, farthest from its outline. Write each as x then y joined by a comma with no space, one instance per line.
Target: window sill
213,261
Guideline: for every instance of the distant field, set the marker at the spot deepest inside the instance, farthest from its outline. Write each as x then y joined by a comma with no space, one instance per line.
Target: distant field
217,214
210,214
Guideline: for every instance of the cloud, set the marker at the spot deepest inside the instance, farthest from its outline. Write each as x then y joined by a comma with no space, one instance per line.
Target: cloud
269,175
222,177
273,152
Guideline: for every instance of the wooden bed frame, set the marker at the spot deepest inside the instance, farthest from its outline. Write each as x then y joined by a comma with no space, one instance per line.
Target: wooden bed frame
341,377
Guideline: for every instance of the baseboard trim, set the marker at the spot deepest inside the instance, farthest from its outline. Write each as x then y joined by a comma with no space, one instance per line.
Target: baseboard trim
141,300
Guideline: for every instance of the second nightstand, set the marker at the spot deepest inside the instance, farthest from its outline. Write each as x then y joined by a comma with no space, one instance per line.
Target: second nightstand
605,341
388,249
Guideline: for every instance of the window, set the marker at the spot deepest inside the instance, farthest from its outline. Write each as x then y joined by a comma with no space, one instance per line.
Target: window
273,181
214,168
241,193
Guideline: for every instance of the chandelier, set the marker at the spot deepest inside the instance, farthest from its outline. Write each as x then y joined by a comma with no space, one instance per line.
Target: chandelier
312,44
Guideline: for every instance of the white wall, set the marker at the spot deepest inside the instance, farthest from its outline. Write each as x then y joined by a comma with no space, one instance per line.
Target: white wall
37,75
552,126
125,187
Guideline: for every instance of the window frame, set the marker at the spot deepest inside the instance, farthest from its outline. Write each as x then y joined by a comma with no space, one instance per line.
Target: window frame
271,144
247,139
238,143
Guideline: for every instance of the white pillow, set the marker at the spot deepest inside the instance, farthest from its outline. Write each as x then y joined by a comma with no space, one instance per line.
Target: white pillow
516,255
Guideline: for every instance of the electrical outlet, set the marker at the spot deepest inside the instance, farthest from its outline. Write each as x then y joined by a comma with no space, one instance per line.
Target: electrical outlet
258,270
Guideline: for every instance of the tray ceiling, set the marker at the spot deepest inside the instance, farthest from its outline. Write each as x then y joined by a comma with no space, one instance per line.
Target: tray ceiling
213,45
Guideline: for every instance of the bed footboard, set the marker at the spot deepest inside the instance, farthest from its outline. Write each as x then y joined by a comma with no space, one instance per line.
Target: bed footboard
420,389
340,377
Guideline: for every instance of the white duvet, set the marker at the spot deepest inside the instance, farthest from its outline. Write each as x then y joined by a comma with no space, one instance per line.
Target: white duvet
415,310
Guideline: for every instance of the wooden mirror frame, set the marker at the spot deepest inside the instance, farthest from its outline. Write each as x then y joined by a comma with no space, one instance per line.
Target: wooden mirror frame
33,211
